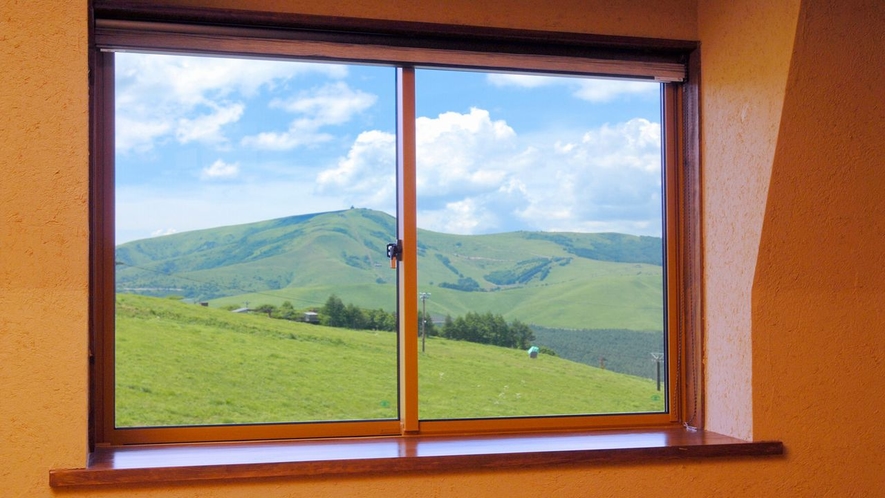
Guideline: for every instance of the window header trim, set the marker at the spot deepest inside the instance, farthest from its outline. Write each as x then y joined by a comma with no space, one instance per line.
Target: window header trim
176,30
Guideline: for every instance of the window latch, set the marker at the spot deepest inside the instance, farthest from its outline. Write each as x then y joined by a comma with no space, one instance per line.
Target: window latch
395,253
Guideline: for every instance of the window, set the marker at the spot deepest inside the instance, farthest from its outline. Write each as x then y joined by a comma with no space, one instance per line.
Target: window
239,138
545,175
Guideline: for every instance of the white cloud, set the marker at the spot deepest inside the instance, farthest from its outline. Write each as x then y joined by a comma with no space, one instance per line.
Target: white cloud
608,90
522,80
163,231
463,152
220,170
592,90
469,172
160,97
563,148
135,133
206,128
476,175
367,176
459,156
332,104
463,216
287,140
610,181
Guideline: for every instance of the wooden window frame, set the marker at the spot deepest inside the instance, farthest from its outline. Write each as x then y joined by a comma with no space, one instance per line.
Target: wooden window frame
137,26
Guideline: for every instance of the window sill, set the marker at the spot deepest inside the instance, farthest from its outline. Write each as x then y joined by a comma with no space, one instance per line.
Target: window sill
163,464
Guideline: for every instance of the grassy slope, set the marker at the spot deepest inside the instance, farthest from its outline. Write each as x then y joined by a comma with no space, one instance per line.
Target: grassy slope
186,364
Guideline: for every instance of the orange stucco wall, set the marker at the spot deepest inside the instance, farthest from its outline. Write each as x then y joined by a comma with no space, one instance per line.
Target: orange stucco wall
819,288
746,50
794,220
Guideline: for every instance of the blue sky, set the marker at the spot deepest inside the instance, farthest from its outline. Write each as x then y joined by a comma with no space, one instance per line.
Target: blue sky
205,142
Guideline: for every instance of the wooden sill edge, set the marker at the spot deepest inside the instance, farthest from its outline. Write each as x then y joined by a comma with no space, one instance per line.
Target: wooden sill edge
164,464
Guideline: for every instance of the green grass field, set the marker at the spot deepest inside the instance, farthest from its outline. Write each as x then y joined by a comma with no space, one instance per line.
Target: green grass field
181,364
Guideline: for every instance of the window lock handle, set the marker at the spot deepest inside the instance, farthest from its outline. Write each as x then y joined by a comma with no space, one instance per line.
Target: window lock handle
395,253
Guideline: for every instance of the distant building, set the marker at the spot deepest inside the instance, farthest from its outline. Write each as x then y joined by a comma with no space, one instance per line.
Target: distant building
242,310
311,317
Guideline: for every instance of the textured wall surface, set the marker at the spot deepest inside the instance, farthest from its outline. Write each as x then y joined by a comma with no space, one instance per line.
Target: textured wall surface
793,202
745,57
819,292
43,261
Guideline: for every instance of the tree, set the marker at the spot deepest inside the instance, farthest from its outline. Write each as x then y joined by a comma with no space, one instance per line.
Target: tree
455,329
334,313
354,318
499,332
287,311
384,320
523,335
269,309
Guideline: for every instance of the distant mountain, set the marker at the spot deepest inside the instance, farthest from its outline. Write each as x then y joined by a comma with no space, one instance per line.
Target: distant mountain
574,280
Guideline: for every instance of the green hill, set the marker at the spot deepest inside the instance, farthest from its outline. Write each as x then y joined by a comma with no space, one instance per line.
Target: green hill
185,364
559,280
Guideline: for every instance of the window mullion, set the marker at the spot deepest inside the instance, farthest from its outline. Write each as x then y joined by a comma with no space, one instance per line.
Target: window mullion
407,274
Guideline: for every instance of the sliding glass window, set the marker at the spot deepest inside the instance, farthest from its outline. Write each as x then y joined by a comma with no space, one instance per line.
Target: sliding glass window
305,238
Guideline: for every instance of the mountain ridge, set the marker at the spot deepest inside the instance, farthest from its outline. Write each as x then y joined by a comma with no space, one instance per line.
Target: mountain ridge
308,257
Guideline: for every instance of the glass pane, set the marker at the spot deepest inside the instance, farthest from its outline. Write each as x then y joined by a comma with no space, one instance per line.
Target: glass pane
253,205
540,246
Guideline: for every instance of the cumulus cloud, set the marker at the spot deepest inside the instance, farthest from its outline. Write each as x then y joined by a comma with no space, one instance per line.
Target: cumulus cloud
188,99
219,170
591,90
463,152
366,177
609,181
458,155
477,175
462,216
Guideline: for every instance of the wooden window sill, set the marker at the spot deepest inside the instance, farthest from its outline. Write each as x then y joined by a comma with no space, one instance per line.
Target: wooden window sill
163,464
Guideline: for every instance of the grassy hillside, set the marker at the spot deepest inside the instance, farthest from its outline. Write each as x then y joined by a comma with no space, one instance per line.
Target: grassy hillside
185,364
306,251
560,280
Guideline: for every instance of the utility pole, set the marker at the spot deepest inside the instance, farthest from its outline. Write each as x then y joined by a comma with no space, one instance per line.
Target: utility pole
423,296
658,358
